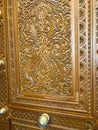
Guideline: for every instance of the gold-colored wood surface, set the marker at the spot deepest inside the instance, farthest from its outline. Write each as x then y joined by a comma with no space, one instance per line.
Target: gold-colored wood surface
48,64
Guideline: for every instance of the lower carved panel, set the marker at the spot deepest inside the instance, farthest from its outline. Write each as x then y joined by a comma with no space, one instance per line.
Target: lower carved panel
3,123
17,125
58,121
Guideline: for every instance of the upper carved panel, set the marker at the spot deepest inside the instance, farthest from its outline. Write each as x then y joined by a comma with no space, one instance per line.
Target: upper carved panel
42,52
45,61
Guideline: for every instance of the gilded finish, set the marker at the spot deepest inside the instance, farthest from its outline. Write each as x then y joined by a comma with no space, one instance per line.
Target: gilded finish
49,63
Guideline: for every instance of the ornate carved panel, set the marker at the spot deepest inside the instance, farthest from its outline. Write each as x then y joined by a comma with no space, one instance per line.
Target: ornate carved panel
49,63
45,52
45,60
45,47
29,119
18,126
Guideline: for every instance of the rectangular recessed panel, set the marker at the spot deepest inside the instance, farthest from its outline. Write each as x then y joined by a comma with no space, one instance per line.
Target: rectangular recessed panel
49,51
46,48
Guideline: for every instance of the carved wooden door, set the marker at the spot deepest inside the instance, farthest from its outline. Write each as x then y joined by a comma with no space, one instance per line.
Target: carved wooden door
48,64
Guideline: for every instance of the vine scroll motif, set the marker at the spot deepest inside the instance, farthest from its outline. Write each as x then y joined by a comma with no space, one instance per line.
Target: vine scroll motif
45,47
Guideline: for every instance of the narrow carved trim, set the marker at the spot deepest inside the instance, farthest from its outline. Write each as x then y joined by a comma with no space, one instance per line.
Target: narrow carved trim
96,53
3,87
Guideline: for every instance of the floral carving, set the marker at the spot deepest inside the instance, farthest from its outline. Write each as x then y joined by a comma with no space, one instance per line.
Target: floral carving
45,61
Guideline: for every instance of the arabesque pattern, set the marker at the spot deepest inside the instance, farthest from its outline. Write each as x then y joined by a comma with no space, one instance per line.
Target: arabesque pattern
45,59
